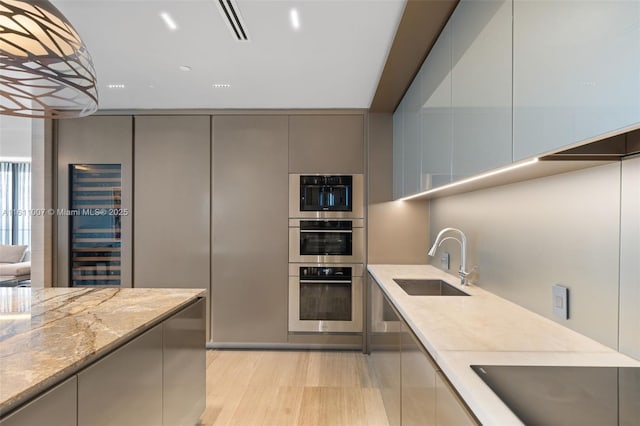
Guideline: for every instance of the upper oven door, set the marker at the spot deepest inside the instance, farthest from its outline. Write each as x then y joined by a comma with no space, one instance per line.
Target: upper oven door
331,241
326,196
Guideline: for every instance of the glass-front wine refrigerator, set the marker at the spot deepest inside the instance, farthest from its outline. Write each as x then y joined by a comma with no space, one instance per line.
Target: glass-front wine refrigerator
95,224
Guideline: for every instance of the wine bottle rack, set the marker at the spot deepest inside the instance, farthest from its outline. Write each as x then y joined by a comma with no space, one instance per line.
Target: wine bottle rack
95,228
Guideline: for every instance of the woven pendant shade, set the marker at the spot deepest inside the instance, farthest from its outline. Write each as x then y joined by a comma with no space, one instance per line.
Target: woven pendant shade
45,69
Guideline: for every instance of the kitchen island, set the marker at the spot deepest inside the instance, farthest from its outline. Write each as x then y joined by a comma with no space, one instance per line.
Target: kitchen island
113,354
482,329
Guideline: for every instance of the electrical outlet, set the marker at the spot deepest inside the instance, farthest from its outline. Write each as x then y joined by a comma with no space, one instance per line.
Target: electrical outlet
445,261
560,301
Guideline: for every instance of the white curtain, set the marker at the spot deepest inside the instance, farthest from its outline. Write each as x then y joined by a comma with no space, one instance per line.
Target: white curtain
15,203
6,197
22,185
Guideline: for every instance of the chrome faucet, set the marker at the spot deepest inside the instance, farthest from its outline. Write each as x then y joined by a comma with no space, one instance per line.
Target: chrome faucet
463,257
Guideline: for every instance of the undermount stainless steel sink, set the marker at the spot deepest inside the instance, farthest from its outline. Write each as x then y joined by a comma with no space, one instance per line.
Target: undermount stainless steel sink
415,287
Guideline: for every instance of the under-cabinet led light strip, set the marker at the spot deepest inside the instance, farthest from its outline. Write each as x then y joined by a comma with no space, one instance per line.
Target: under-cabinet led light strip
472,179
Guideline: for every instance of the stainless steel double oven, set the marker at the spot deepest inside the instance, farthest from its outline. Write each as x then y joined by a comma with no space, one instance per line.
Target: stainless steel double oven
326,253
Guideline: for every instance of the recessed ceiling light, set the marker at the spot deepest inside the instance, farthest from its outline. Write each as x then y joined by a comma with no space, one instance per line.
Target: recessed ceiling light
221,85
184,68
116,86
168,20
295,19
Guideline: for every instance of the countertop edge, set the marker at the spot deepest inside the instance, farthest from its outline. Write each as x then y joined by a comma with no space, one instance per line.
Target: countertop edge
18,400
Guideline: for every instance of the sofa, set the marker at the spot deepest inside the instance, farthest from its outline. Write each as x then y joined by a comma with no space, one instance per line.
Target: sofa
15,262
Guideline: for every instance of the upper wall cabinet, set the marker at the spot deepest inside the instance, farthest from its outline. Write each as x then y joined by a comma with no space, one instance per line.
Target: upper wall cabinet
407,143
411,144
436,114
326,143
481,86
422,126
576,72
455,119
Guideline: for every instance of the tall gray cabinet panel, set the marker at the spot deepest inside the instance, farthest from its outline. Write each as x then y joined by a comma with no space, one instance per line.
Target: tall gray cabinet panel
250,230
93,140
172,201
326,143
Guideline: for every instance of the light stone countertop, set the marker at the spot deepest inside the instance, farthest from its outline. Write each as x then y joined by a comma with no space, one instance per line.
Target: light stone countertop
486,329
47,335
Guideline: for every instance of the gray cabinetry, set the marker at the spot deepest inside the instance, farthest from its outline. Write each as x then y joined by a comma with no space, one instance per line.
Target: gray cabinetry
125,387
326,143
418,378
384,339
93,140
172,201
57,406
576,72
184,366
250,229
413,389
450,410
481,86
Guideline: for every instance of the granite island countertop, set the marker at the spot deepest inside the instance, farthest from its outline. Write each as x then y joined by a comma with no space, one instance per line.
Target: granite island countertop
47,335
485,329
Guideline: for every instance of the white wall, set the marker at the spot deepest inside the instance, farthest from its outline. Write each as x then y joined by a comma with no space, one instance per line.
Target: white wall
528,236
15,137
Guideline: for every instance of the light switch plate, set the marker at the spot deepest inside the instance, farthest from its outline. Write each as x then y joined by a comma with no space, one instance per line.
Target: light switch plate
445,261
560,301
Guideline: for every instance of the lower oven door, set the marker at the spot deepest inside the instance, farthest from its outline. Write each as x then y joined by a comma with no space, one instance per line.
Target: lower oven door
325,306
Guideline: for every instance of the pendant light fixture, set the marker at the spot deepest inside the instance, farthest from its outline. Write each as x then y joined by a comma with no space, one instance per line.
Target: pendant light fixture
45,68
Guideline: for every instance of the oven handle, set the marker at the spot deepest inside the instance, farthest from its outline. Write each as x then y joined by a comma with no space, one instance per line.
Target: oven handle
325,281
326,231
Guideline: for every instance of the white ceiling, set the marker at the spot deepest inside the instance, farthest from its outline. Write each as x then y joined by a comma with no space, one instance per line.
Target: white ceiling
334,60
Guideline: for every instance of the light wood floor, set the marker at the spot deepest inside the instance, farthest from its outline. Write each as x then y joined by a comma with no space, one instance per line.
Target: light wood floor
309,388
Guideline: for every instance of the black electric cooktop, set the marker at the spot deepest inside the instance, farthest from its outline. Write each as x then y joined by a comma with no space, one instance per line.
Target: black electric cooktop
581,396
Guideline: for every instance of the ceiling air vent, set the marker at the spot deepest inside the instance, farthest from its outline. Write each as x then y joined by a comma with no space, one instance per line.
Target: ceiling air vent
232,16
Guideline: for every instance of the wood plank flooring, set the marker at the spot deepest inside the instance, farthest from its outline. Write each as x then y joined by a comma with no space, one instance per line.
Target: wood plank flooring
279,388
